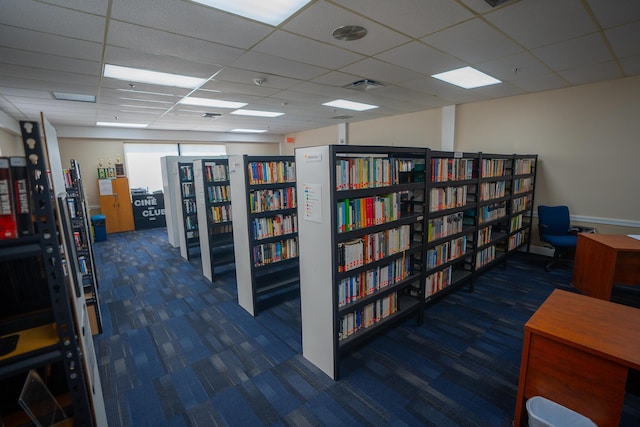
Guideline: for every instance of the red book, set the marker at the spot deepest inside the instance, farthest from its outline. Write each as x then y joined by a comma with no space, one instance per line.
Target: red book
8,227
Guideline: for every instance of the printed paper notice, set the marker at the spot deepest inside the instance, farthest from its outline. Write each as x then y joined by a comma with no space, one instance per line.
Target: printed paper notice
106,189
312,202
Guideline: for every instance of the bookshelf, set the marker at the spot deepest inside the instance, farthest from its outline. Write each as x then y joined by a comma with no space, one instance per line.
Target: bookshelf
79,215
263,190
361,226
188,212
213,200
521,203
452,201
42,302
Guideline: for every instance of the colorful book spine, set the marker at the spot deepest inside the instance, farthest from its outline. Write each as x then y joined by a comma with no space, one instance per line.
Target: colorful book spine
8,225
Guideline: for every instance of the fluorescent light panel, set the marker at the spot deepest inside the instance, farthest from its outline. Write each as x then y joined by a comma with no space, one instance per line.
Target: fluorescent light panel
467,77
272,12
350,105
152,77
62,96
208,102
122,124
249,130
257,113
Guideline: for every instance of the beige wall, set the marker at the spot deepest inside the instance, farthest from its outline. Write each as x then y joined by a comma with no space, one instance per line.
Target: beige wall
10,145
88,153
587,139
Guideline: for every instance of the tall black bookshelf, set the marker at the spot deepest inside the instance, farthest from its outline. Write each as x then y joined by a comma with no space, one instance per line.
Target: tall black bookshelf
213,199
188,215
265,231
79,215
451,223
43,318
521,203
361,226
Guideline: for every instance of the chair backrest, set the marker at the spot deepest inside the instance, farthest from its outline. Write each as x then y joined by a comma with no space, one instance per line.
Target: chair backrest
553,220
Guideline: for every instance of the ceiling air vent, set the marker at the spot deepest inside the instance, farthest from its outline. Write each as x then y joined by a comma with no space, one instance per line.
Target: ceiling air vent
343,117
211,115
364,85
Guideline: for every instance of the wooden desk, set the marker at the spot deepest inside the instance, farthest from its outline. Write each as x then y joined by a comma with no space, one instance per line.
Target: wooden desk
577,351
604,259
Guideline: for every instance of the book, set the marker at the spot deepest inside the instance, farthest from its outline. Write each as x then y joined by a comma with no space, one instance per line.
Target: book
8,226
21,199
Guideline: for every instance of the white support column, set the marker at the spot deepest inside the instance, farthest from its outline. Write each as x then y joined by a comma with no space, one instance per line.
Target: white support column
448,128
343,133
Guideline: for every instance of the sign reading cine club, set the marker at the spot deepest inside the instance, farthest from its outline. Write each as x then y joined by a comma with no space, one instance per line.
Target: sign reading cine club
148,211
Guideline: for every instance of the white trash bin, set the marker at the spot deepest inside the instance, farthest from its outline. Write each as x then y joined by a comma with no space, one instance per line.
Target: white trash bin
546,413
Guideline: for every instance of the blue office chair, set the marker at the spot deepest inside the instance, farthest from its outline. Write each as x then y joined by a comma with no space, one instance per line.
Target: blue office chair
555,229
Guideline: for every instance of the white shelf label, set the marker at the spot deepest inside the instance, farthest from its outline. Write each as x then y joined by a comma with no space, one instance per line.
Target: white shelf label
312,201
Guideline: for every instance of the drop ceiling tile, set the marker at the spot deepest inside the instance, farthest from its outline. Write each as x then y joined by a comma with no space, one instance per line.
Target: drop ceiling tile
336,78
97,7
416,18
49,62
542,22
191,19
237,75
18,38
473,41
586,50
631,66
514,67
260,62
500,90
29,73
541,83
613,13
625,40
452,94
479,6
320,19
418,57
301,49
592,73
383,72
220,86
158,42
47,19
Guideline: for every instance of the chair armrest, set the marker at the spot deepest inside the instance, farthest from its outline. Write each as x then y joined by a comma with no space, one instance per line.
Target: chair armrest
575,229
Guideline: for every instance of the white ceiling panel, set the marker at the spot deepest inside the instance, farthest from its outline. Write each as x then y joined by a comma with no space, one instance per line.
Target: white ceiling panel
531,45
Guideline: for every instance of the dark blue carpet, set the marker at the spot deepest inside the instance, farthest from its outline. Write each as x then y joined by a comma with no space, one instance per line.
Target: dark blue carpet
177,350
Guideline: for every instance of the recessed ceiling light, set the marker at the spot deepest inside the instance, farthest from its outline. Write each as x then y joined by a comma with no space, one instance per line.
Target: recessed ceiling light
62,96
349,33
122,124
249,130
209,102
350,105
257,113
272,12
152,77
467,77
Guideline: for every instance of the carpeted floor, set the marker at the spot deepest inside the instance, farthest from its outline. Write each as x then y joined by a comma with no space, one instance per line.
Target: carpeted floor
178,350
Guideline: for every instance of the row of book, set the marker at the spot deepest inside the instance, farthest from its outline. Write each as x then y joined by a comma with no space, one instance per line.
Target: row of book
445,252
520,204
214,172
190,206
444,226
515,223
492,212
271,172
220,214
191,224
493,190
367,316
447,169
484,236
15,200
218,193
516,240
188,189
522,185
354,214
438,281
358,286
523,166
272,200
269,253
186,172
485,256
372,247
278,225
67,175
354,173
447,198
493,167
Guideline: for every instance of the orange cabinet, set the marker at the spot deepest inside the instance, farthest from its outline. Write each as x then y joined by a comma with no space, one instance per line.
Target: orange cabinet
116,207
